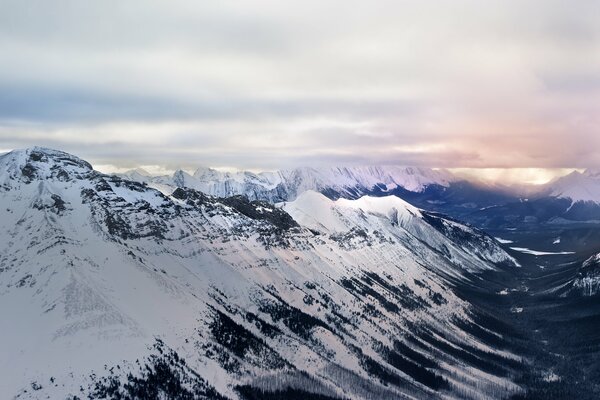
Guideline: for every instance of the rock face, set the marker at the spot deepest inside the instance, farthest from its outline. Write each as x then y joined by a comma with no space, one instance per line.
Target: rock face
111,288
587,280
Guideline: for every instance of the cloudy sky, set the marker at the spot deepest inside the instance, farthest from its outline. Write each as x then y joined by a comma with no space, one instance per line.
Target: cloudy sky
270,84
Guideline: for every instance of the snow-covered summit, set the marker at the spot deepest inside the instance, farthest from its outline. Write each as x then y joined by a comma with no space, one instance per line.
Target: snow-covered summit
393,206
314,209
577,186
42,163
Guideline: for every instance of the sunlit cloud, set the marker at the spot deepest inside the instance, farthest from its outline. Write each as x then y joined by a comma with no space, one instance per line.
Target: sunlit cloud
532,176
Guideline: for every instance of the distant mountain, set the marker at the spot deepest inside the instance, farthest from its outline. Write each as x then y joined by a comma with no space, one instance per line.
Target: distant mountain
571,199
577,186
574,198
286,185
112,289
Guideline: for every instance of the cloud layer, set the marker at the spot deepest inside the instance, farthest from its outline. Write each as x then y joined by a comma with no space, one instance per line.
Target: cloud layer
271,84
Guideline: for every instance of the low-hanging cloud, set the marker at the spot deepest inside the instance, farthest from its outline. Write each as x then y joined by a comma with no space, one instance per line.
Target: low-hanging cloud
267,84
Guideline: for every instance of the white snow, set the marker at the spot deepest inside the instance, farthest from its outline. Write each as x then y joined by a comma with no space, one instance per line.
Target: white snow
385,214
540,253
314,210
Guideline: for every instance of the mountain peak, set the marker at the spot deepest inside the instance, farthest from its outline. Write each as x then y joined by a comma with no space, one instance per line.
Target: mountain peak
206,173
42,163
139,171
314,209
381,205
180,178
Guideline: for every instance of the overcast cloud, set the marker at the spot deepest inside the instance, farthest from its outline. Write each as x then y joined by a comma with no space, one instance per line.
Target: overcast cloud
272,84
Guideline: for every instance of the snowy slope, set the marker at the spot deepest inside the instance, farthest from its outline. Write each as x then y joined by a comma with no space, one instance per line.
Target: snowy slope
284,185
380,214
101,277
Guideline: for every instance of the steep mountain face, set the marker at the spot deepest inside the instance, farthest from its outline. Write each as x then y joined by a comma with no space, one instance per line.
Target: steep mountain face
285,185
111,288
587,280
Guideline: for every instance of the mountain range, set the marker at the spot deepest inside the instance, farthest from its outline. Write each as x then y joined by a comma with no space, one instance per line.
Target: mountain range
110,286
286,185
572,198
303,284
355,181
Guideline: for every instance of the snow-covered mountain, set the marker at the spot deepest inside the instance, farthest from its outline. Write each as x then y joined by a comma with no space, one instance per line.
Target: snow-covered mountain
577,186
349,182
108,286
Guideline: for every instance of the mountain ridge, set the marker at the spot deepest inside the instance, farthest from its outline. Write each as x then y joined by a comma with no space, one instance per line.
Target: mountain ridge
285,185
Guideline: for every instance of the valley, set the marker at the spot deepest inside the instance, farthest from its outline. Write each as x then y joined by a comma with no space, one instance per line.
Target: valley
558,327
